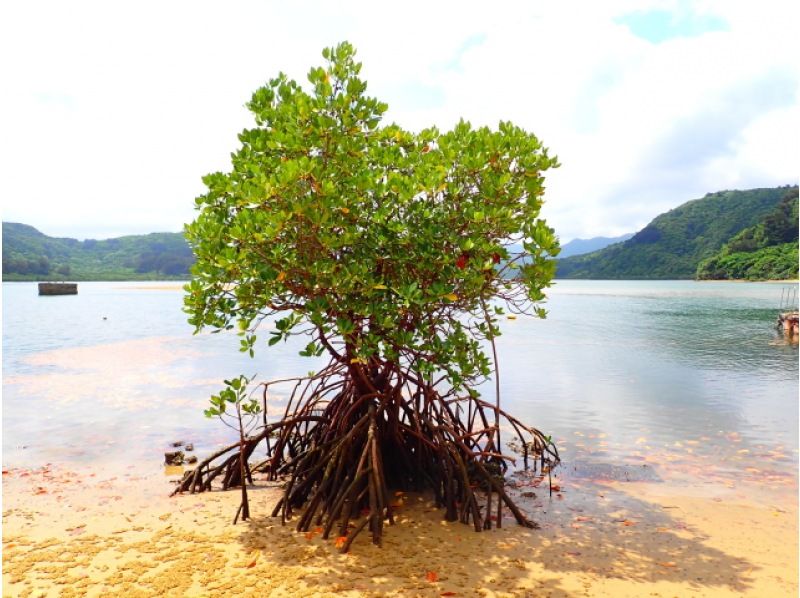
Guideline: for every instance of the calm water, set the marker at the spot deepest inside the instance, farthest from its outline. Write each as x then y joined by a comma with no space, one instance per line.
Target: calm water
682,375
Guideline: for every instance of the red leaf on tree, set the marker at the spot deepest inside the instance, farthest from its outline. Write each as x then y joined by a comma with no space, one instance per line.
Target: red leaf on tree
496,258
461,262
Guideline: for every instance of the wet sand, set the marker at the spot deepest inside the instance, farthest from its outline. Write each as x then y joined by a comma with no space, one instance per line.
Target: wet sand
108,533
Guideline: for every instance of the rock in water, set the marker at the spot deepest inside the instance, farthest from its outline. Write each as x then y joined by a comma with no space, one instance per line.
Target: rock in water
173,458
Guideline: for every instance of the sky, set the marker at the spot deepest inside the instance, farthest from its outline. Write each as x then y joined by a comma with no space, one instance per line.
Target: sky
111,112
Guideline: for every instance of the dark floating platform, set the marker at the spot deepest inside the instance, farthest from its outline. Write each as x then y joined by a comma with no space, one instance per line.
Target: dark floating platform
58,288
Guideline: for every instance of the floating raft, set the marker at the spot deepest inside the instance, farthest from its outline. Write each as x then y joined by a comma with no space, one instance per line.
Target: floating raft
788,322
58,288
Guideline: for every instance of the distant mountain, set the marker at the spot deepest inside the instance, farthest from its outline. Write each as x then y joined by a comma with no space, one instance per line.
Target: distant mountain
29,254
674,243
766,251
581,246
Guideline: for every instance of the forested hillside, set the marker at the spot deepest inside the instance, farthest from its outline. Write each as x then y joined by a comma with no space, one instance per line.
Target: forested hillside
31,255
765,251
674,243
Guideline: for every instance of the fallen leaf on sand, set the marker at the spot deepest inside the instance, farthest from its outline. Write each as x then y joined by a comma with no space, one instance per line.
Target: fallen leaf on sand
668,564
340,541
573,553
583,518
448,594
555,487
252,563
432,576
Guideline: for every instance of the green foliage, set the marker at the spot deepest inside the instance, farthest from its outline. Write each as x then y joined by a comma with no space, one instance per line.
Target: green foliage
674,243
373,240
233,395
30,255
765,251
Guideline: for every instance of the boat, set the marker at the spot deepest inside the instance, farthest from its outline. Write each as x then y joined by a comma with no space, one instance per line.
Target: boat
58,288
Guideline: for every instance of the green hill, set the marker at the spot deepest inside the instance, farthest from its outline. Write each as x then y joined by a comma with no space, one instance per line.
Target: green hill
674,243
768,250
31,255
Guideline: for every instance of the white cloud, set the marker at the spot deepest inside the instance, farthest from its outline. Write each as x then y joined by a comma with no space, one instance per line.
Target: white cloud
115,110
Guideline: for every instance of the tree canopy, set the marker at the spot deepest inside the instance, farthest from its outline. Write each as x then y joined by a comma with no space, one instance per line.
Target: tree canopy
368,233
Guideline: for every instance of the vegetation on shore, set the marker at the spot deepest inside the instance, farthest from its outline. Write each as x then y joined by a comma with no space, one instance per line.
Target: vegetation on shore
29,254
674,243
766,251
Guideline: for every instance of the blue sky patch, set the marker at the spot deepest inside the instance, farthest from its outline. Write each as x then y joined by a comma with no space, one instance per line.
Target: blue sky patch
658,26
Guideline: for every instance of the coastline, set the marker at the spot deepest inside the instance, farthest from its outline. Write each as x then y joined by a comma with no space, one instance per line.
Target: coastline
89,533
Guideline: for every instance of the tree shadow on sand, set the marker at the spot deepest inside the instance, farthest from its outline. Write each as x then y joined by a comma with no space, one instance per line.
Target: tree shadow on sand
590,535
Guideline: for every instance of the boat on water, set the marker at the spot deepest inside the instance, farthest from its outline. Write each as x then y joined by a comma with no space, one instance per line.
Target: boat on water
58,288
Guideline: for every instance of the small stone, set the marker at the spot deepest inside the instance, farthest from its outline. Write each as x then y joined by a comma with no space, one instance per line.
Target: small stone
191,459
189,447
177,443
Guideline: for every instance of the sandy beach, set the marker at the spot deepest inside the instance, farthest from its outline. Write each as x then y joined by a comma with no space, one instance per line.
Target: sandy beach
108,533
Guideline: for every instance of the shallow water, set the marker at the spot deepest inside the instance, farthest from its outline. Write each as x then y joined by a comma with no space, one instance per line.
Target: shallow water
688,379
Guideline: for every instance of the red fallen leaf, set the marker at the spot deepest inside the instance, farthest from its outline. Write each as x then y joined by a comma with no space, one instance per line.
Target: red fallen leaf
252,563
309,535
555,488
625,522
41,490
560,496
339,542
448,594
6,472
573,553
461,262
432,576
426,148
318,530
668,564
583,518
